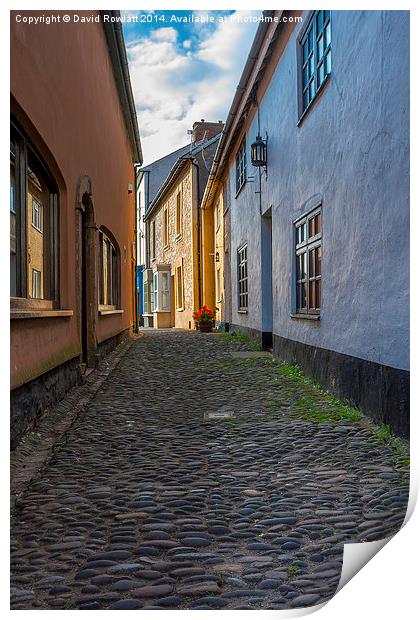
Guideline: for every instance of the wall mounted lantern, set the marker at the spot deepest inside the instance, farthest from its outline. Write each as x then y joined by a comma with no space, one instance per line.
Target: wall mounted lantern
259,152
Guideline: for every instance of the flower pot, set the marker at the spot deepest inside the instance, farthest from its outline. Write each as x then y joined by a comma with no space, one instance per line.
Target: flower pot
205,327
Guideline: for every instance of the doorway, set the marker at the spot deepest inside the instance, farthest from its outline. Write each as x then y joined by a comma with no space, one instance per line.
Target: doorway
267,280
88,289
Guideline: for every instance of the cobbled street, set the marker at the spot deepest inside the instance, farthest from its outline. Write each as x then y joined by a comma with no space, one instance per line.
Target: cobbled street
202,476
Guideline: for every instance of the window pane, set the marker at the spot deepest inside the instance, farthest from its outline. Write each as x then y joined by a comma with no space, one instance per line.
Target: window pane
312,90
305,75
320,74
320,47
327,15
304,295
319,22
311,263
317,294
13,241
312,295
306,99
328,63
311,65
38,232
328,34
318,261
311,39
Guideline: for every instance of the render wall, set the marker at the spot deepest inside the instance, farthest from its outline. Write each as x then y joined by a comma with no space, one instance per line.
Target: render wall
65,97
351,150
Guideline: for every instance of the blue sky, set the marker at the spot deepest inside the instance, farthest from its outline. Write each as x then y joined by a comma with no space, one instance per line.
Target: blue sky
182,72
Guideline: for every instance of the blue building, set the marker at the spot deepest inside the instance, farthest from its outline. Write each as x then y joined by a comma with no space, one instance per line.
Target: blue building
319,236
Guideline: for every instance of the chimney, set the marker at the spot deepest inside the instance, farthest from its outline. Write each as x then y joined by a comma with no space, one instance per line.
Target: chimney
204,130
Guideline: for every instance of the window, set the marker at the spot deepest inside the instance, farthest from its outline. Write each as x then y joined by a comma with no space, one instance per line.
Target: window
153,239
218,216
179,213
161,289
241,166
36,284
108,271
165,278
179,288
308,263
316,55
33,225
155,292
36,214
166,227
218,290
243,279
147,291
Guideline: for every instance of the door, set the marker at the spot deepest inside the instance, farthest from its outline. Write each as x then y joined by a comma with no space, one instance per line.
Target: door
267,280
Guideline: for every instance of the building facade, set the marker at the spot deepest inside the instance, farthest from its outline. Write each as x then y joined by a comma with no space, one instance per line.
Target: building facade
319,241
173,282
74,140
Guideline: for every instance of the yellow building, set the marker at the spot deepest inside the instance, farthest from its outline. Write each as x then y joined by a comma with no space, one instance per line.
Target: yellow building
175,264
215,242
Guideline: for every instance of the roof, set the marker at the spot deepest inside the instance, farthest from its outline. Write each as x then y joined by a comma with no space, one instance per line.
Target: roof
244,98
159,169
179,158
118,55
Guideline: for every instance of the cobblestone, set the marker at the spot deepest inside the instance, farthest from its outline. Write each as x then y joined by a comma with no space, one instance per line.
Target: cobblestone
149,503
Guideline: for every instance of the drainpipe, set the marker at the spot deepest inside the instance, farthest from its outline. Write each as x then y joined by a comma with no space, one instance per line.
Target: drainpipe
136,233
198,230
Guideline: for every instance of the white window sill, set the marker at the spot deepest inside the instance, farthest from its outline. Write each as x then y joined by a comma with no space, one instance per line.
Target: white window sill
40,314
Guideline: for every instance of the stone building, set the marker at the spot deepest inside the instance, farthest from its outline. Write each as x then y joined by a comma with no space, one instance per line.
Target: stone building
318,253
74,140
175,262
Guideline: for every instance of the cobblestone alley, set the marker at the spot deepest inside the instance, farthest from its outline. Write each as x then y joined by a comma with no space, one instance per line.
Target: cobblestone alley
203,475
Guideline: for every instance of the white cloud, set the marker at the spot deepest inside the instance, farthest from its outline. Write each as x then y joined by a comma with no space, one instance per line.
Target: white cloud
164,34
175,87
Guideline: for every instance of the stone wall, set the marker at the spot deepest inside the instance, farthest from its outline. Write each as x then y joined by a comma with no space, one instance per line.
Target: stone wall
180,248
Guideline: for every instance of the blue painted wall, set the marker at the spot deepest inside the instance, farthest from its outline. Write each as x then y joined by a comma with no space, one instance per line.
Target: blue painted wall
352,150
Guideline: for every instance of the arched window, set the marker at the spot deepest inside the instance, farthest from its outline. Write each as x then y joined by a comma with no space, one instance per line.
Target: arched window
109,271
33,226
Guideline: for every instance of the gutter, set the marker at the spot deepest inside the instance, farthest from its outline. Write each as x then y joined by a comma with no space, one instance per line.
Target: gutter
240,90
197,168
117,51
176,169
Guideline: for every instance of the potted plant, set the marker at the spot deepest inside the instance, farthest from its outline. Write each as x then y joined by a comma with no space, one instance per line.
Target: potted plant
204,318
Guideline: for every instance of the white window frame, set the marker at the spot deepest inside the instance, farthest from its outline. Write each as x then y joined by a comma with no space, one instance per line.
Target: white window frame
37,214
243,289
36,284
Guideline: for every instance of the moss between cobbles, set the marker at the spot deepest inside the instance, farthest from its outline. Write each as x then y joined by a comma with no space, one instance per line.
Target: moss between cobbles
314,403
242,339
